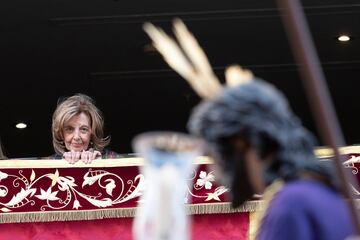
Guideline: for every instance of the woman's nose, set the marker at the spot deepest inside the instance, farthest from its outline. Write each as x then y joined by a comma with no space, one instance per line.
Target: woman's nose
76,134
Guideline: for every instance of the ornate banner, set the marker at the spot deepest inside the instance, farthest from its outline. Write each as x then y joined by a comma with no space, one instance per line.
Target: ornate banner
53,190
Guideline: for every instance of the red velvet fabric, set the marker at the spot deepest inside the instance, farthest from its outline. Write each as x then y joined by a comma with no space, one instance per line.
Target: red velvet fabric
84,185
220,226
209,226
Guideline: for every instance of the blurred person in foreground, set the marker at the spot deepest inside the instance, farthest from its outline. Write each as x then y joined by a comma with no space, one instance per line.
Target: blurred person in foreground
260,146
78,130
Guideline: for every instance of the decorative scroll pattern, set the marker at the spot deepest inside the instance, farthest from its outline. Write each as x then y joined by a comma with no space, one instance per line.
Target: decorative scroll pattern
63,191
204,190
353,164
45,190
39,191
350,163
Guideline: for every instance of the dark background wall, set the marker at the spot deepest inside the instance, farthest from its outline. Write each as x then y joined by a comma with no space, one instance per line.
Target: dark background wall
51,49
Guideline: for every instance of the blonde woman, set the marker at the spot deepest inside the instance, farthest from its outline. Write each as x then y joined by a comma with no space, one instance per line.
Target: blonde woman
78,130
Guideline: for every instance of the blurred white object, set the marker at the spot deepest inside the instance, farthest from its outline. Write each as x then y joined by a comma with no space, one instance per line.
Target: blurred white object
168,162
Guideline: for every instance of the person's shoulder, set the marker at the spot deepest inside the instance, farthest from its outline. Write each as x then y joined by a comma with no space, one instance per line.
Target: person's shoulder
305,188
301,203
306,193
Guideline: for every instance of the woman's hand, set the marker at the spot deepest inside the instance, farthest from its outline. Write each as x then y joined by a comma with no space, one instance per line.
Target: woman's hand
72,156
86,156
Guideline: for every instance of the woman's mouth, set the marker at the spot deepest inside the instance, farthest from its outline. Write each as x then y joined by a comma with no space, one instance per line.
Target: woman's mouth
76,145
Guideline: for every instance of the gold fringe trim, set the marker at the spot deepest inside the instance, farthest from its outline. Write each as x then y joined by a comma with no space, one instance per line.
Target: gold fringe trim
66,215
213,208
191,209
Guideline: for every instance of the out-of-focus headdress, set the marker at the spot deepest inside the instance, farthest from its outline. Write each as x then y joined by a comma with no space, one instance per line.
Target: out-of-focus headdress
188,59
245,107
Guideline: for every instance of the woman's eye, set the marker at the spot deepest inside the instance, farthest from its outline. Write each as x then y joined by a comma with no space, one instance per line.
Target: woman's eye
84,130
68,129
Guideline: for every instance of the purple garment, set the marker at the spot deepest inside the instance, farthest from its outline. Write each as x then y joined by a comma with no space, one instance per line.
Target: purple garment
306,210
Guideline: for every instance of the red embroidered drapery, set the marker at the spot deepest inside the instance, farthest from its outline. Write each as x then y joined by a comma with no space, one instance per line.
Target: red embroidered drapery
46,199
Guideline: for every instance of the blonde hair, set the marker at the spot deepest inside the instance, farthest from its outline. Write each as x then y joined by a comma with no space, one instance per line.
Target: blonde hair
70,107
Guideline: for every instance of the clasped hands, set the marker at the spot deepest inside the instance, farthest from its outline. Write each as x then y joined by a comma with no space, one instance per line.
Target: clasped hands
87,156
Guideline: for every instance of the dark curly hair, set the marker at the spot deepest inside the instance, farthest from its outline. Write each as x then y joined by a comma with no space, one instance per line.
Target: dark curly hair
258,113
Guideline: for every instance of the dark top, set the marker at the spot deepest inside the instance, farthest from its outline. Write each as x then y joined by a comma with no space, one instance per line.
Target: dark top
305,210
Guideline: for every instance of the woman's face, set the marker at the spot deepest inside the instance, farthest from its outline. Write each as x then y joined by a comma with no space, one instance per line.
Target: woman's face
77,133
